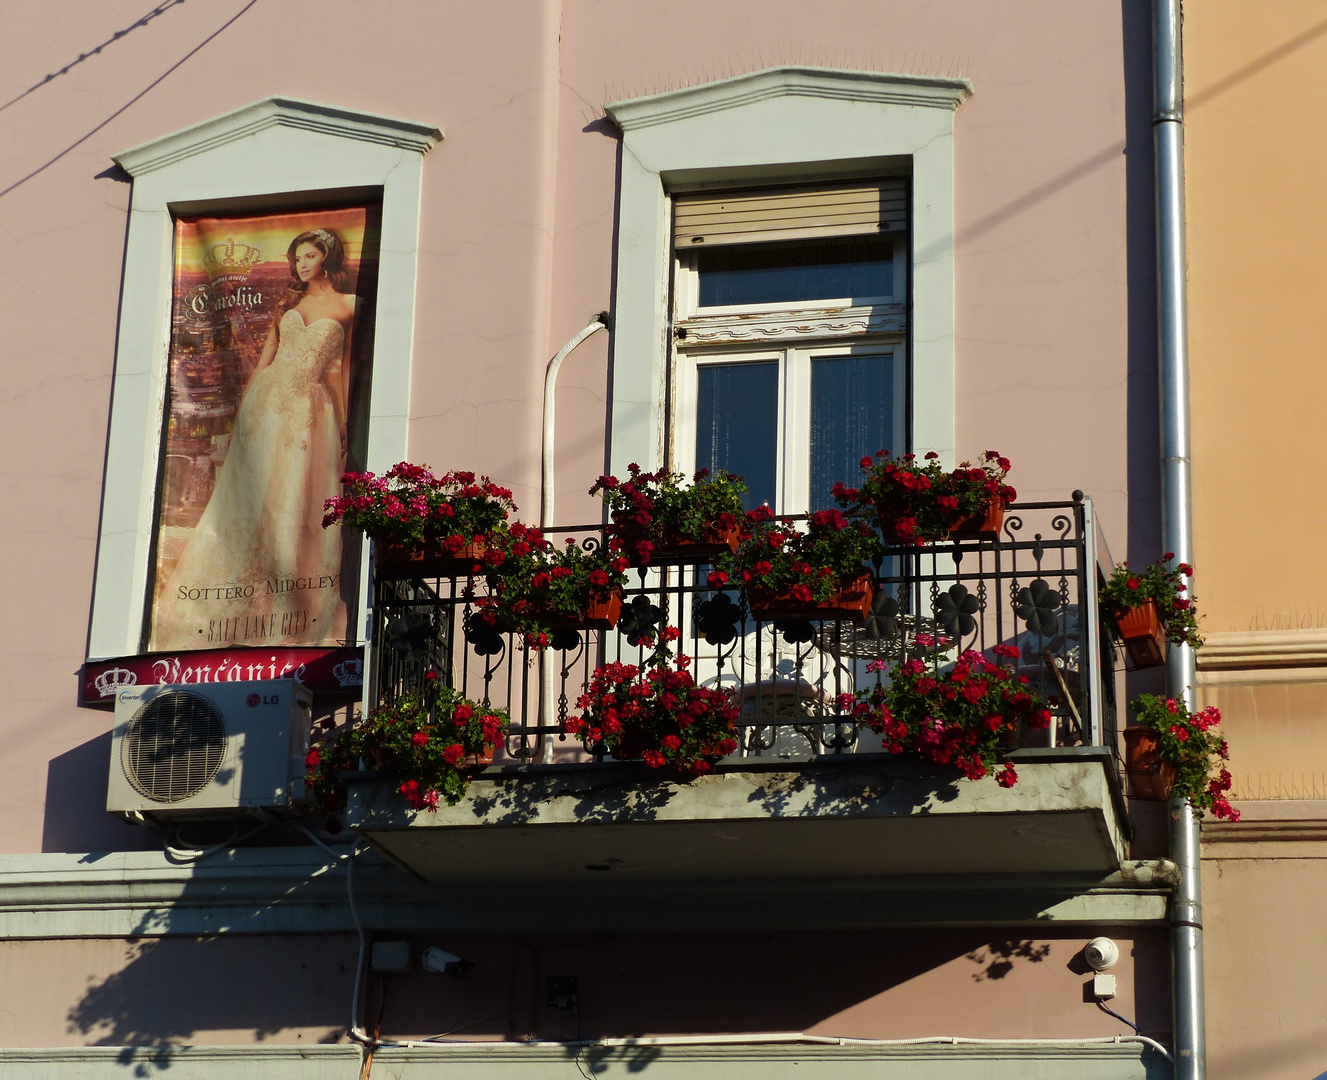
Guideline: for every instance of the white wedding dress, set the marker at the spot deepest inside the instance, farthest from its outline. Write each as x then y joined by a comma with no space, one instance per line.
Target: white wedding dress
260,569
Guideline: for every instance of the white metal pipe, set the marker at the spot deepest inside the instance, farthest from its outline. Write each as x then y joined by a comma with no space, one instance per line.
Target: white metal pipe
548,680
1186,914
599,322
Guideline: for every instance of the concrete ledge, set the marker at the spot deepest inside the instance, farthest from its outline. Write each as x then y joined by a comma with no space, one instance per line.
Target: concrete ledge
1262,656
1264,648
297,890
1011,1060
1001,1061
178,1062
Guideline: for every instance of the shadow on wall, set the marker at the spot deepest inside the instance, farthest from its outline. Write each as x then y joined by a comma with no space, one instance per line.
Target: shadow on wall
997,959
75,818
1143,443
631,985
172,989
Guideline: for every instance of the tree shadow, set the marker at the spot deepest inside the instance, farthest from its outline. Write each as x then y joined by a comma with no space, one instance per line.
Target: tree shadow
170,988
997,959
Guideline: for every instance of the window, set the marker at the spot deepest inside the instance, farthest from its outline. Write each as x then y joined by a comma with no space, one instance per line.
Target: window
819,272
272,153
796,288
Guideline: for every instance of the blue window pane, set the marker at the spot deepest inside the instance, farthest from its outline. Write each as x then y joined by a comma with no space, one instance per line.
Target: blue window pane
737,412
859,268
852,415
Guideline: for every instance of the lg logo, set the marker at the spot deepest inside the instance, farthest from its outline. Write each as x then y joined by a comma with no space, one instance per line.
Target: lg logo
254,700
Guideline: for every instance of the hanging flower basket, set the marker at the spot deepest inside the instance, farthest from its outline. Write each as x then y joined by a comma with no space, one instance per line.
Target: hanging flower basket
852,601
427,558
1150,778
1142,633
982,526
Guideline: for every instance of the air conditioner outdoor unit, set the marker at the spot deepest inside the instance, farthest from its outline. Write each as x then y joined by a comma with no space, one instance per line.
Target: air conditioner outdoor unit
201,750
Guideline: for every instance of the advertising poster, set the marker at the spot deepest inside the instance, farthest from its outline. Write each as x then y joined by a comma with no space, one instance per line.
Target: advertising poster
268,377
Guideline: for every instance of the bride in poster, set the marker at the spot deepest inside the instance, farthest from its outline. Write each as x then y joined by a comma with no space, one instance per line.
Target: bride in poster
259,568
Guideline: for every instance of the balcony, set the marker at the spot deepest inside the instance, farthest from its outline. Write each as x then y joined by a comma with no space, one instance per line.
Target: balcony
809,796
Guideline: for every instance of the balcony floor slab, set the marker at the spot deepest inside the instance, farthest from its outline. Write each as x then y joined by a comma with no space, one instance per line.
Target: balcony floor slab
851,819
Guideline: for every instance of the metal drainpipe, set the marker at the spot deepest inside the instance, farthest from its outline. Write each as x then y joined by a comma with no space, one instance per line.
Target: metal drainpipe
1186,912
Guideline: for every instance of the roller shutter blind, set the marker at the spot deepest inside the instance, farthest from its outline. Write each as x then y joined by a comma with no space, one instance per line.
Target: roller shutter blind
766,214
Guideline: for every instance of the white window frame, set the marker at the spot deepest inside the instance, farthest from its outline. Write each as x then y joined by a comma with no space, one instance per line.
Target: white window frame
273,153
793,479
790,125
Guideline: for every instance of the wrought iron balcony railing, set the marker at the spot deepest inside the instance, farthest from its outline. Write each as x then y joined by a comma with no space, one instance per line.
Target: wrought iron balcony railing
1033,587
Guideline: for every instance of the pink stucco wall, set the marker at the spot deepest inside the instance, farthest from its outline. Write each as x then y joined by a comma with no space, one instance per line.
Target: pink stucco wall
1053,261
857,985
516,247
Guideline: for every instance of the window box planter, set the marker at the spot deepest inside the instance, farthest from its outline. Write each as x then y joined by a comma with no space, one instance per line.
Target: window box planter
681,549
600,613
853,601
983,526
1142,633
428,558
1150,778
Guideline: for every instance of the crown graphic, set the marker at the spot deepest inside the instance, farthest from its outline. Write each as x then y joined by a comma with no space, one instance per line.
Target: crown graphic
110,680
349,672
231,257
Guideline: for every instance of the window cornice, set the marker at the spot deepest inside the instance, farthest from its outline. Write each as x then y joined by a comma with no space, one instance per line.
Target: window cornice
869,87
277,112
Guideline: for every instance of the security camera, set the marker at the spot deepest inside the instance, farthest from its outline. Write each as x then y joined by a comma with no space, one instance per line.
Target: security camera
1101,953
436,959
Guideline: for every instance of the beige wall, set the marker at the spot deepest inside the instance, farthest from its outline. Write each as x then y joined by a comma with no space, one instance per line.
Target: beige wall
1255,77
1264,952
1276,733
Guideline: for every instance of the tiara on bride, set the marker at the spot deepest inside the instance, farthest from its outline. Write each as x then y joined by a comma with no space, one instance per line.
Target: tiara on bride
326,237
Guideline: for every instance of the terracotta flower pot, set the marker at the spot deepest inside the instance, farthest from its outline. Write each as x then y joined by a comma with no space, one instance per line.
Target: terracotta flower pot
1143,635
601,613
428,558
1149,777
682,549
852,601
985,525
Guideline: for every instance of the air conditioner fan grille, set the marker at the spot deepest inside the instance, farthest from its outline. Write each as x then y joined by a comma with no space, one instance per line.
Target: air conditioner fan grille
173,746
